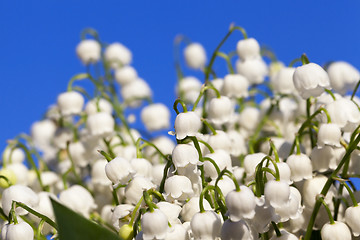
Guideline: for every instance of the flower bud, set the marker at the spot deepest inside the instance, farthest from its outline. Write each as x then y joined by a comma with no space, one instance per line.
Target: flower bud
156,117
70,103
248,49
154,225
195,56
89,51
310,80
117,54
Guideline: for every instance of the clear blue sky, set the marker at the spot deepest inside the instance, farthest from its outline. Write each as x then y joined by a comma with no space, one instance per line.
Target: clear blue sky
38,39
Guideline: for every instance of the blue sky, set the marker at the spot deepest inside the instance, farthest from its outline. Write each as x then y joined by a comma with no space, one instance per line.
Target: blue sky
38,40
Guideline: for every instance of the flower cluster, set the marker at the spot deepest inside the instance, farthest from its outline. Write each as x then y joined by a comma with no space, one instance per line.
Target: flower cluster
233,167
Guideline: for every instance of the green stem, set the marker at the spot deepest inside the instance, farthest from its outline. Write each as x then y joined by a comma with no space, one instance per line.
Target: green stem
304,59
207,145
328,211
39,215
328,184
228,62
355,90
202,91
166,169
212,129
277,231
351,193
77,77
177,101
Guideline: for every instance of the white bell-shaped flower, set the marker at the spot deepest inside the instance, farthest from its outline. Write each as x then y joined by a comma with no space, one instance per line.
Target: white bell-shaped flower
282,82
249,118
343,76
98,105
188,89
16,155
284,172
78,153
300,166
248,48
21,173
220,141
255,70
235,86
184,155
220,110
119,170
171,210
70,103
241,204
78,199
294,209
136,91
89,51
310,80
134,190
117,54
155,117
42,133
329,134
226,184
191,207
154,225
235,230
125,75
285,235
178,188
206,225
349,117
177,232
100,124
218,84
336,231
238,145
19,231
119,213
251,161
62,136
323,158
98,174
277,193
195,55
18,193
264,215
221,158
352,219
187,124
311,188
142,167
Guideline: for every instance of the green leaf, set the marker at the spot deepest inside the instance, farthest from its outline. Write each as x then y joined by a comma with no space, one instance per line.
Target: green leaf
75,227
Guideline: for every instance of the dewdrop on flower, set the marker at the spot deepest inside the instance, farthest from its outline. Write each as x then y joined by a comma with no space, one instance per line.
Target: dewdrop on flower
343,76
195,55
70,103
310,80
89,51
187,124
125,75
117,54
155,117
